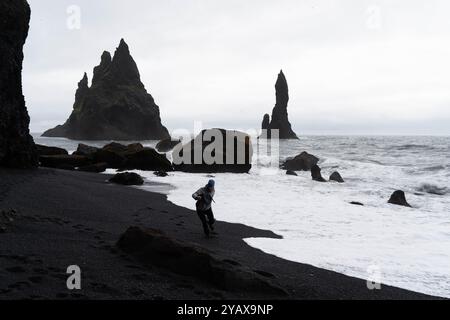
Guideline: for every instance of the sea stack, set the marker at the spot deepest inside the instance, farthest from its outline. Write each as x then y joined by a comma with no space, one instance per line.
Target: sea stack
280,119
115,107
17,147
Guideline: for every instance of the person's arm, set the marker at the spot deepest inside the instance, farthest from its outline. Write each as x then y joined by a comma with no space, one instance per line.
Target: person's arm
198,194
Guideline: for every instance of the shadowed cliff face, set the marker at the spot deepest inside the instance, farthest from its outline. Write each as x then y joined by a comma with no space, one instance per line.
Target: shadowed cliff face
280,119
17,148
115,107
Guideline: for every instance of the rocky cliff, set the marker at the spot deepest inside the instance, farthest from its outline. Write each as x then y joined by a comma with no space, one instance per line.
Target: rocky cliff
17,148
280,119
115,107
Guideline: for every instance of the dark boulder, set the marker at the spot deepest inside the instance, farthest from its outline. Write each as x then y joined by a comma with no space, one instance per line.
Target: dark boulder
96,167
148,159
399,198
160,173
302,162
335,176
115,107
50,151
291,173
356,203
167,145
316,174
64,161
17,147
154,249
85,150
127,179
215,150
114,160
280,119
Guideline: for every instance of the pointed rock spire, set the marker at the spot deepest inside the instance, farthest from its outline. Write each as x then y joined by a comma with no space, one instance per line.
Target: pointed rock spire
280,119
116,106
123,65
102,69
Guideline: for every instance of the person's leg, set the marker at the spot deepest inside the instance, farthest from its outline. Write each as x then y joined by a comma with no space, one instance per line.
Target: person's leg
209,213
201,215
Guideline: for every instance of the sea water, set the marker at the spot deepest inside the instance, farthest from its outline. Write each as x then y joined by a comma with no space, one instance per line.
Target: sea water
399,246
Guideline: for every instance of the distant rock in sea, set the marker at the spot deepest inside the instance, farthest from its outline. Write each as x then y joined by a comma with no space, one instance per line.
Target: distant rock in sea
280,119
316,174
127,179
336,176
115,107
302,162
17,147
399,198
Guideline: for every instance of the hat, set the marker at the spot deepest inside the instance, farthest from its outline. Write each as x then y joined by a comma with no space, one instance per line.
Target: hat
211,183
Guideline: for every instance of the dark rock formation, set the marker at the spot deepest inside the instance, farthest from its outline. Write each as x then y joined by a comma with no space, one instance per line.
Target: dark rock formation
115,107
266,122
153,248
302,162
148,159
213,142
335,176
356,203
50,151
127,179
160,173
316,174
167,145
96,168
16,144
85,150
280,119
120,156
398,198
113,159
291,173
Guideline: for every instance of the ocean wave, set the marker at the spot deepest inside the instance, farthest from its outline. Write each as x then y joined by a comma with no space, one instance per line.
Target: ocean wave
433,189
434,168
414,146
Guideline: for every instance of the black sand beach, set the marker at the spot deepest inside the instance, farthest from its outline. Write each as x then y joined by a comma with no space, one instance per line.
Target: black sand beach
70,218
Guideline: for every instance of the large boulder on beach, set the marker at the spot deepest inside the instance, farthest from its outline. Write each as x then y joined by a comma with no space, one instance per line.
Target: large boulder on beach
50,151
96,167
115,107
17,147
155,249
399,198
113,159
147,159
279,119
316,174
166,145
215,150
302,162
131,156
127,179
336,176
85,150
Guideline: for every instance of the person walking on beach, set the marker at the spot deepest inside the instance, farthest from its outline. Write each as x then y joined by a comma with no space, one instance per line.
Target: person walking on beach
205,197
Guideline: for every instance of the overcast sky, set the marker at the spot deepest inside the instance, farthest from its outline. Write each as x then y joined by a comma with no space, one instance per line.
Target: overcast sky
353,66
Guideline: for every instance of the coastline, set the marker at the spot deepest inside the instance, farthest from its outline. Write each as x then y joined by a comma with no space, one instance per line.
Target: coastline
65,218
